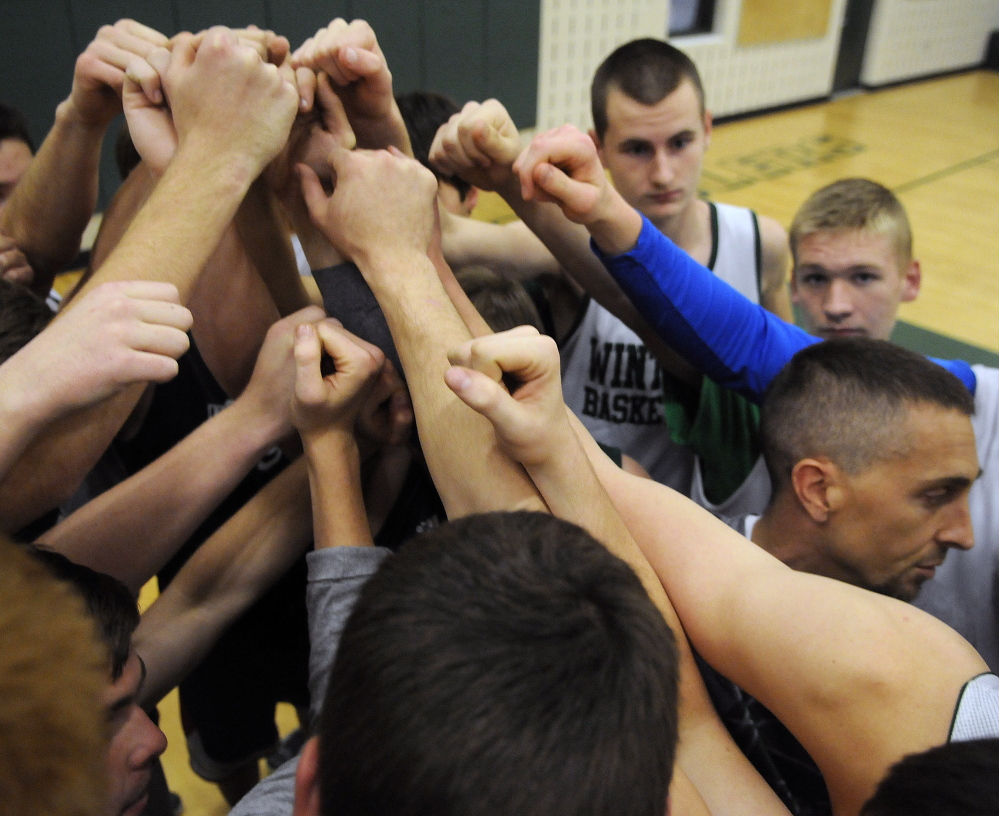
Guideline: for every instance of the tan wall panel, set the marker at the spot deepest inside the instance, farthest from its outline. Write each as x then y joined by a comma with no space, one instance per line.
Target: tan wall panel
774,21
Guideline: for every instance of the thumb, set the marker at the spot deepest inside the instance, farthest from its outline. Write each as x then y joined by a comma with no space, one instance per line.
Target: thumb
493,144
308,376
575,197
312,192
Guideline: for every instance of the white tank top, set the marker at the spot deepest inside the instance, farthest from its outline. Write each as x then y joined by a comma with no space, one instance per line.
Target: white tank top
614,384
977,712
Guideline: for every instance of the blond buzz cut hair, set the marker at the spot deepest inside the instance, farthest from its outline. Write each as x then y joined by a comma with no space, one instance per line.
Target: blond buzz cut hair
854,204
53,671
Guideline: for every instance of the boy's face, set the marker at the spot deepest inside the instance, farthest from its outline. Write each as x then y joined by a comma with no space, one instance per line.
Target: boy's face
655,152
850,283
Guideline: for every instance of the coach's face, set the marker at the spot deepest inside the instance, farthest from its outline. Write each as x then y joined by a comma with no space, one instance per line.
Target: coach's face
892,524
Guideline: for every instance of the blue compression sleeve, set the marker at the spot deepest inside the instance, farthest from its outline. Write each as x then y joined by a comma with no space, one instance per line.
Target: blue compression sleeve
727,337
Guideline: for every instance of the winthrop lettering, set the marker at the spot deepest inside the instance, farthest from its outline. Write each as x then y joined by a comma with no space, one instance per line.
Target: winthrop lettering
623,366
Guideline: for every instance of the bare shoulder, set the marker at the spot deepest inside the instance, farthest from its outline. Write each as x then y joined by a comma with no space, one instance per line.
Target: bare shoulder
774,263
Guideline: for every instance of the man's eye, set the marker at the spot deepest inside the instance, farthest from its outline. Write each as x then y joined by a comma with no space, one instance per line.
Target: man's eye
680,142
814,280
638,150
864,278
938,496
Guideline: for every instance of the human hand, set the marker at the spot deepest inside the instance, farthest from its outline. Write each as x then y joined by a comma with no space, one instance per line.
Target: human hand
13,265
118,334
562,166
531,422
386,418
383,202
227,102
479,144
333,402
150,124
95,98
349,54
269,392
313,136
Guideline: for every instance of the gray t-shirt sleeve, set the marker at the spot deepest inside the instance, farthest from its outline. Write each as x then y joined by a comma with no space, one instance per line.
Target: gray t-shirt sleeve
336,576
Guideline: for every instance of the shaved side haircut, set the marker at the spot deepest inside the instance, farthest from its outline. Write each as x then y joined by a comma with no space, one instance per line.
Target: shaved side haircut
847,400
53,670
854,204
504,664
645,70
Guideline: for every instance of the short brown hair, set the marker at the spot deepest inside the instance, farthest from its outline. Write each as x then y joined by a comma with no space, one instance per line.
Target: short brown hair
646,70
52,675
846,399
503,303
854,204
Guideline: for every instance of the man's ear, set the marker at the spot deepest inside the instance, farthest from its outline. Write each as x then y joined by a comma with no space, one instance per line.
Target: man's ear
596,143
911,279
307,780
708,124
818,485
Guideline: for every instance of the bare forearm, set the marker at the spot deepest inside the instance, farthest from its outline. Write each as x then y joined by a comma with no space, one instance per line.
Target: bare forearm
265,236
569,243
338,516
52,204
132,530
230,571
470,472
181,223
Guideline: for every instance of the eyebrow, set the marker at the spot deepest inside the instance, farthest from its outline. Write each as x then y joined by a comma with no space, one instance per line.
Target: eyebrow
124,702
953,482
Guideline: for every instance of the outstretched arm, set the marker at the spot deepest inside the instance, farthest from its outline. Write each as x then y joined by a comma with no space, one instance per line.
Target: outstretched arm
50,207
232,114
859,679
134,528
535,427
255,547
480,144
724,335
381,215
122,333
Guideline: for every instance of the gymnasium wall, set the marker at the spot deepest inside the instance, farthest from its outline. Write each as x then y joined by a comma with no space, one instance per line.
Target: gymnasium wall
907,38
911,38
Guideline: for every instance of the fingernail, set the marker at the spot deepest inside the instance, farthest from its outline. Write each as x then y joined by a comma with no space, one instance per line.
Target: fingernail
350,55
458,378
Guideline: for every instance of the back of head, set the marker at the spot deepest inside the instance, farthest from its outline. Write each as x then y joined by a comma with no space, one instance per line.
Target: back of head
22,316
502,664
53,671
13,125
847,399
854,204
956,779
645,70
109,603
502,302
424,112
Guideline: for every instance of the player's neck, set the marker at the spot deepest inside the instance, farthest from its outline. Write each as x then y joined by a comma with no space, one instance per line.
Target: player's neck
690,229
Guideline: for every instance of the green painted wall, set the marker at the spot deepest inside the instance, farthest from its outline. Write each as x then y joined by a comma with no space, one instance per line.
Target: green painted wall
468,49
